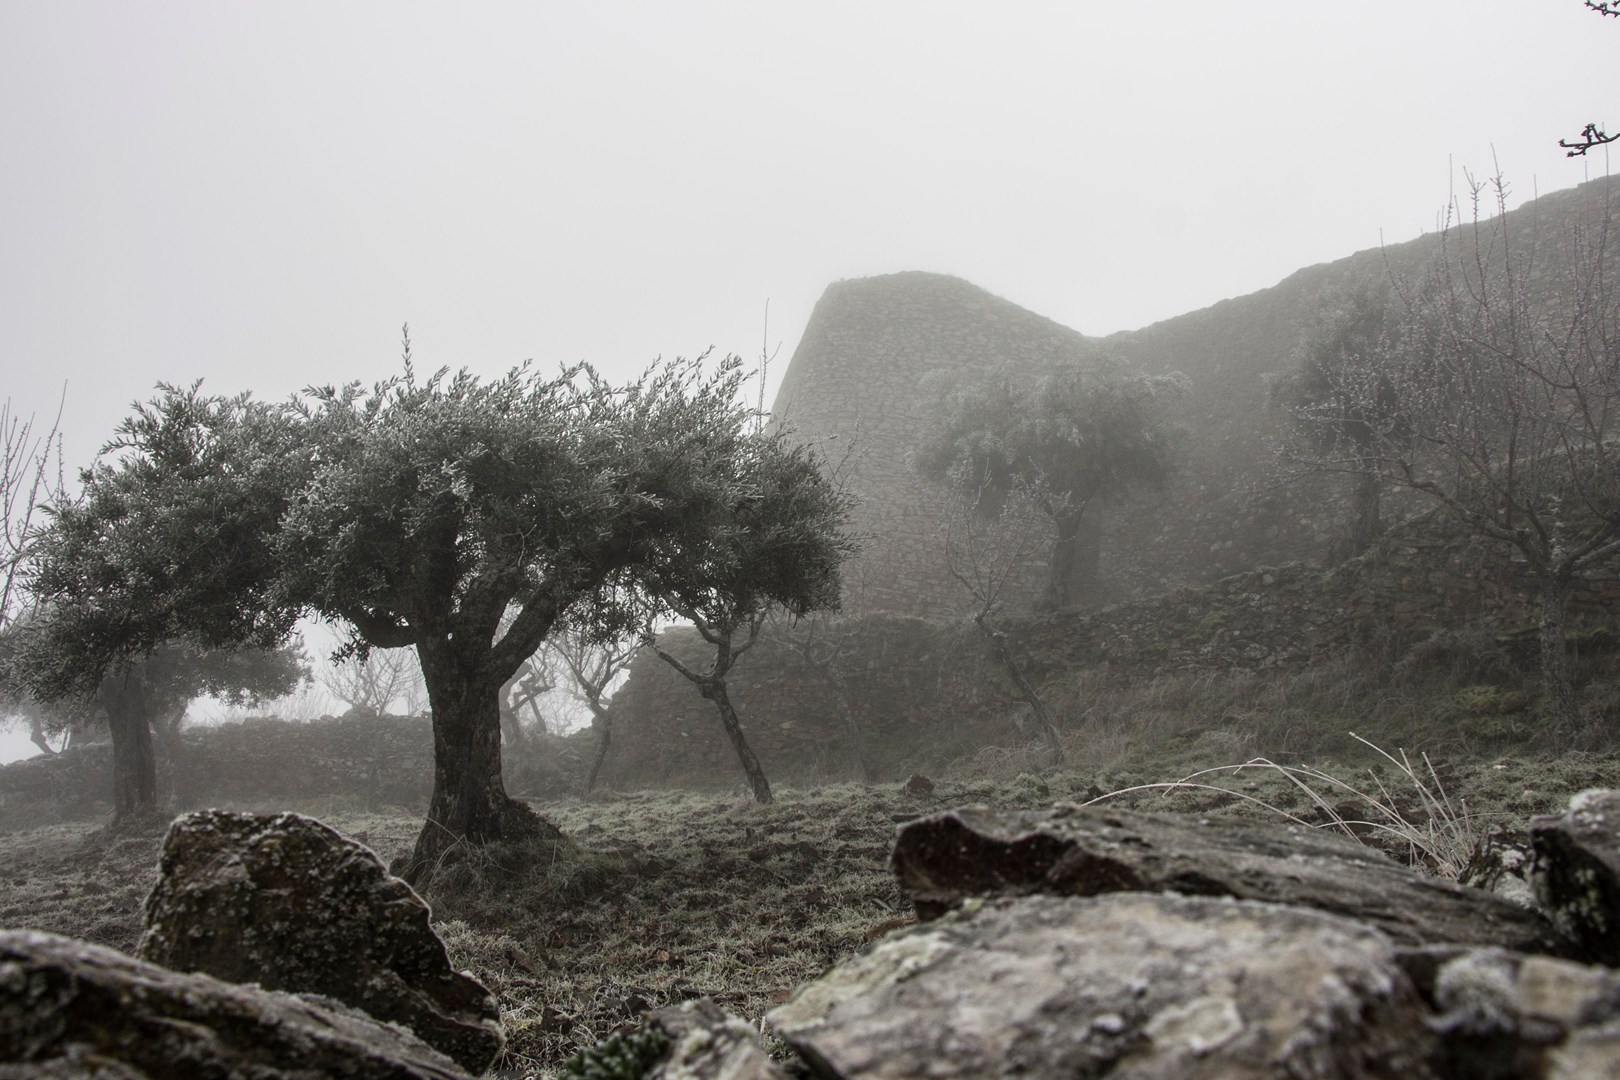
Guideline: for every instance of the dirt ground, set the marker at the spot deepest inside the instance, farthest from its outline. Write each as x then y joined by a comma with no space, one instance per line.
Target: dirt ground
666,895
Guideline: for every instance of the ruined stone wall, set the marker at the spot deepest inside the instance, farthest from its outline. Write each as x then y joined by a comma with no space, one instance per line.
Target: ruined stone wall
928,692
856,380
918,690
265,762
1233,506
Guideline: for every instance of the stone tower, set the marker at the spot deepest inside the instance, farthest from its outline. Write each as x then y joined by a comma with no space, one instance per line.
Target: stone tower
855,382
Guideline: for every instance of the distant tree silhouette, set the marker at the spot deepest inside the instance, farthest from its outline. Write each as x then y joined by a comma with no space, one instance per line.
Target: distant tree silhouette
1507,374
1340,403
1066,442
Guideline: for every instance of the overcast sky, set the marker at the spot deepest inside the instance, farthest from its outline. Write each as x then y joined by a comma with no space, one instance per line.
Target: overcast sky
259,194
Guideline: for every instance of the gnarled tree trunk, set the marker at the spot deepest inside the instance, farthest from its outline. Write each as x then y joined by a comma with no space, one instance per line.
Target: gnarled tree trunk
128,705
605,722
469,804
1556,681
1366,518
712,685
174,748
715,691
36,735
1075,558
998,643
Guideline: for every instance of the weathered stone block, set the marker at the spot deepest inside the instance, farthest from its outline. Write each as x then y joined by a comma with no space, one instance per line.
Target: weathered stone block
290,904
1576,873
1086,851
706,1042
1129,986
71,1009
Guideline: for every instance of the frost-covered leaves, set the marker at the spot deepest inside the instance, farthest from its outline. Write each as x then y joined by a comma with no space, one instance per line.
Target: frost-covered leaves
440,505
169,540
779,537
437,499
420,509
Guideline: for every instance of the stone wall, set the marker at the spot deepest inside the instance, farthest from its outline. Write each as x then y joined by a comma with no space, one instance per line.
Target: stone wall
856,380
925,692
918,690
264,763
856,375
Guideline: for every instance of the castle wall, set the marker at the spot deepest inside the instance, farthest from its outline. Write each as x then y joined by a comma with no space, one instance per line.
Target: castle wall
855,381
926,692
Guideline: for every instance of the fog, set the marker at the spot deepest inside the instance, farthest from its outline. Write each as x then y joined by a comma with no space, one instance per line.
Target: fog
260,195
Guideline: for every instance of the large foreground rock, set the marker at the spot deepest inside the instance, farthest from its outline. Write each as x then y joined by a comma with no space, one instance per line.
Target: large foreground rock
290,904
1088,851
1576,873
1131,986
1504,1015
72,1009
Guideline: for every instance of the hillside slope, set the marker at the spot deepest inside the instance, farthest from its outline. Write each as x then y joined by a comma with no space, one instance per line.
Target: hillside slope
870,343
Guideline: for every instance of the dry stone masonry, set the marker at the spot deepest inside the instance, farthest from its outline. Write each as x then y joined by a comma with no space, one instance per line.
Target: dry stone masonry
857,378
870,343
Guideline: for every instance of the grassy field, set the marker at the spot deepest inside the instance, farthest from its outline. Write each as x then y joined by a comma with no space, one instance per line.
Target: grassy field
664,895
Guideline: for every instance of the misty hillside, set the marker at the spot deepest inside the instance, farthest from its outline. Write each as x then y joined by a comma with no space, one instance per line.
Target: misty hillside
872,346
1228,512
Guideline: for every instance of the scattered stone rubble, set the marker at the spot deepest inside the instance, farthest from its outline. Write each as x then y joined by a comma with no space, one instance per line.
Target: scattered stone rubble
1073,942
707,1043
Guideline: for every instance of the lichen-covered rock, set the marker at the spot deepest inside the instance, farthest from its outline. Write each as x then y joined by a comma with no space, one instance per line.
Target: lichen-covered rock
71,1009
707,1044
1576,873
1091,850
1505,1015
1132,986
290,904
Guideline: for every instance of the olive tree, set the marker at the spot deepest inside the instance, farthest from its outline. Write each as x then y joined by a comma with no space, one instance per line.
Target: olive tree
780,544
166,547
466,519
1341,406
137,696
1066,442
459,517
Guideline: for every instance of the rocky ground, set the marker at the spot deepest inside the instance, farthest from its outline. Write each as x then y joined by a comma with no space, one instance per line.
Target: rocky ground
666,896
